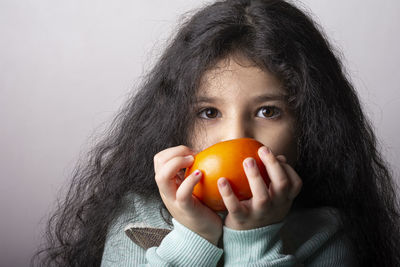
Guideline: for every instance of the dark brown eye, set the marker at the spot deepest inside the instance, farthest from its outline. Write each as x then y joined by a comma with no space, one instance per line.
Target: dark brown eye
208,113
268,112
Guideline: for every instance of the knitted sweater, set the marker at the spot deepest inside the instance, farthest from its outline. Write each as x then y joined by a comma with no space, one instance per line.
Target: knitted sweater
307,237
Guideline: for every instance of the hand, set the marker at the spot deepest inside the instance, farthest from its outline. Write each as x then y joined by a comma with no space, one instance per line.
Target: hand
269,205
177,193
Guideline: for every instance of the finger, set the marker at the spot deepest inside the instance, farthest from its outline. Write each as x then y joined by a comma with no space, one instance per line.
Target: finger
167,174
165,155
257,184
295,181
185,190
281,158
280,183
229,198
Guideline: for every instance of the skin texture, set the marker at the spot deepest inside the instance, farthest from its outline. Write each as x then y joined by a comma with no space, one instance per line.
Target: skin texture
229,106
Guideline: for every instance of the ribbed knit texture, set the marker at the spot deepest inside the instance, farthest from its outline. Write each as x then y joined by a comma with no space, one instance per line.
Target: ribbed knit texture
260,246
304,238
183,247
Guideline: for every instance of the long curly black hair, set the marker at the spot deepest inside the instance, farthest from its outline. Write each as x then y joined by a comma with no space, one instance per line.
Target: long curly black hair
339,160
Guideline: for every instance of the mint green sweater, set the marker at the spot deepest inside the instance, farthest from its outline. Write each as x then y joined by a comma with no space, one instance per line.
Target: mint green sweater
305,238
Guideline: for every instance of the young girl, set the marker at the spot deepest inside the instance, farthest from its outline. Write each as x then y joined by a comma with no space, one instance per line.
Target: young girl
237,68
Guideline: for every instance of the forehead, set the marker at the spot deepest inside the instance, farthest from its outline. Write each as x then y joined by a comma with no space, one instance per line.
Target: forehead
238,76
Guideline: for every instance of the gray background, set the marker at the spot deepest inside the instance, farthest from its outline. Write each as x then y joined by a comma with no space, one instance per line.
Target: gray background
67,66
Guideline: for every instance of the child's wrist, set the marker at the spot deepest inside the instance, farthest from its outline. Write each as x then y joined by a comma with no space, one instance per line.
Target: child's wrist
212,236
250,226
213,239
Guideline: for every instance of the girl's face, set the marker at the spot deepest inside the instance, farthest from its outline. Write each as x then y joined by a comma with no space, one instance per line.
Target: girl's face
237,99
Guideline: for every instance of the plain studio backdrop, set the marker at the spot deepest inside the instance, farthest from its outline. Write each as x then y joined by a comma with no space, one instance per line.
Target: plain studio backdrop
66,67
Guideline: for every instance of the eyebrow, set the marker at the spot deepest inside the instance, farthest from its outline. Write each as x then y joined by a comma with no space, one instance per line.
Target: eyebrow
256,99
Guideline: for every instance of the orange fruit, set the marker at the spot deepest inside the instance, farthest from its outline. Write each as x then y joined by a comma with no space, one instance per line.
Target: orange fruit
225,159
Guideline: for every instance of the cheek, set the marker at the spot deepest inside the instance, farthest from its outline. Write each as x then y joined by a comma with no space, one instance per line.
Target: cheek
286,146
201,138
282,143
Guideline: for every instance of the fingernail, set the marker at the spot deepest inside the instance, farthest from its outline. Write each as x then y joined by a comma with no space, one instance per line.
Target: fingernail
189,157
197,173
249,163
265,151
222,182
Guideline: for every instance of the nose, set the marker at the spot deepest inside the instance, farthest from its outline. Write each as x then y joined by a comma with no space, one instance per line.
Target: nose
236,128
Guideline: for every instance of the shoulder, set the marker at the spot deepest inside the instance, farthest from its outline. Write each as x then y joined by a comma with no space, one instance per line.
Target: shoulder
140,212
149,212
137,214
